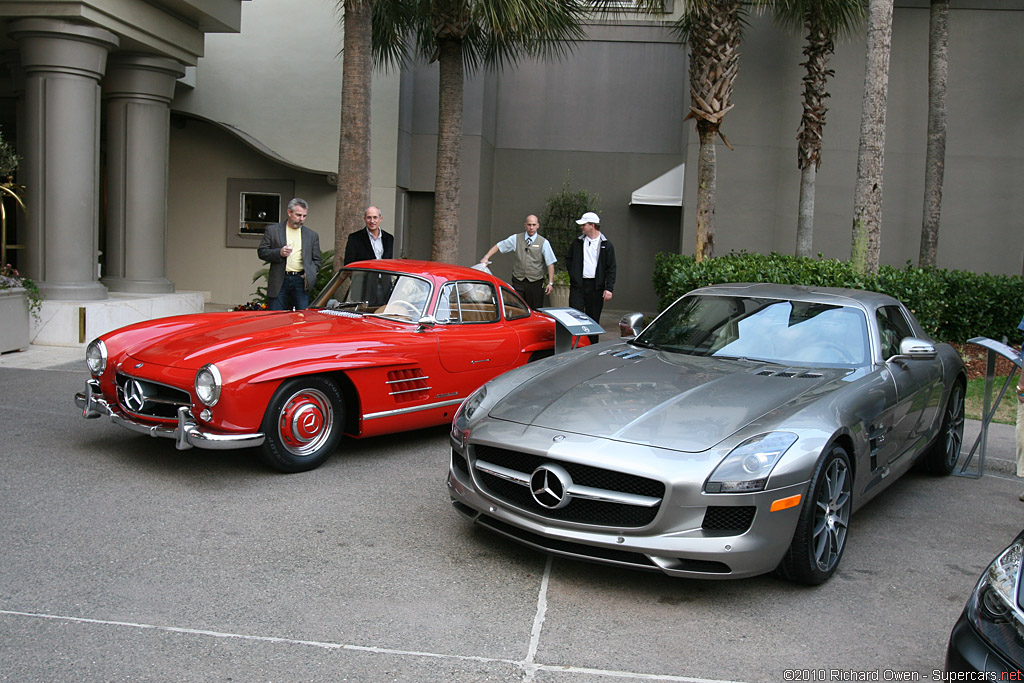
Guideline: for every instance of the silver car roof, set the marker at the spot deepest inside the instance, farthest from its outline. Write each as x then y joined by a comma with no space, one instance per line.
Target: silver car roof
839,296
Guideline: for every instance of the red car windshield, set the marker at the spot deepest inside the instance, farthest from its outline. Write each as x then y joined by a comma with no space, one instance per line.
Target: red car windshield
375,292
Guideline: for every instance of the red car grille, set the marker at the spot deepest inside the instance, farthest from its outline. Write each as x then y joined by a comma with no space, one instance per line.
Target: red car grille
149,399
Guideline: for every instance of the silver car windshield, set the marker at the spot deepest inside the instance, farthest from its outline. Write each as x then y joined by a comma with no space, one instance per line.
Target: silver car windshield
394,295
773,330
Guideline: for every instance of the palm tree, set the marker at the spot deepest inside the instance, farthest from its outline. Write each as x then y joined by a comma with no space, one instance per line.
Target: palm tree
353,189
713,30
935,157
824,21
465,35
867,194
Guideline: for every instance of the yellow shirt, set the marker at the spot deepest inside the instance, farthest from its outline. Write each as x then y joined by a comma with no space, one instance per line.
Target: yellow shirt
293,237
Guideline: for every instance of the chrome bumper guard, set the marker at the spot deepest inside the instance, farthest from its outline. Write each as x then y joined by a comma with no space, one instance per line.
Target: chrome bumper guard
186,433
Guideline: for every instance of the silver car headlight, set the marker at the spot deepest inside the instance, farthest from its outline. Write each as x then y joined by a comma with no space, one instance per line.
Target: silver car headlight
460,422
747,467
208,384
994,608
96,357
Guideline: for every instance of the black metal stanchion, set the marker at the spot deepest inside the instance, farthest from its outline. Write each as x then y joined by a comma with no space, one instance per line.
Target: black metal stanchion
989,407
570,324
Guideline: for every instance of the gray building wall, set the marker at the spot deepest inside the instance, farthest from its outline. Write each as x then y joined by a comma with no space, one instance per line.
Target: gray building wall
203,157
609,117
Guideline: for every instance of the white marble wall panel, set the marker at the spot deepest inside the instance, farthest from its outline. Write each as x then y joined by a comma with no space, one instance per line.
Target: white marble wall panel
59,321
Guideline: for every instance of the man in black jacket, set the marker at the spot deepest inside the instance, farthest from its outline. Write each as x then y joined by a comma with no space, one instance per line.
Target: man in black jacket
591,265
372,243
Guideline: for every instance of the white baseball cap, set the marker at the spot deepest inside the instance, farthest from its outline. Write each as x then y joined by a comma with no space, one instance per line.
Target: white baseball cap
589,217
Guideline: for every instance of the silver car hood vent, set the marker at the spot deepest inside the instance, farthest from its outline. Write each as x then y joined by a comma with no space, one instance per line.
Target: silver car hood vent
682,403
789,372
627,354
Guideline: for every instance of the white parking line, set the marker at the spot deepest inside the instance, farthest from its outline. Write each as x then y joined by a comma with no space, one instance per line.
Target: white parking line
527,666
538,624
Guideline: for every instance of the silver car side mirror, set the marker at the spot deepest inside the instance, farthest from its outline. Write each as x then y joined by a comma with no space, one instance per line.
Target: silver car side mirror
631,324
427,321
912,348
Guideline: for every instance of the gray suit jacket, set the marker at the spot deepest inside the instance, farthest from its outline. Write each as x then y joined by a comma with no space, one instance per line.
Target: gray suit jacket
270,251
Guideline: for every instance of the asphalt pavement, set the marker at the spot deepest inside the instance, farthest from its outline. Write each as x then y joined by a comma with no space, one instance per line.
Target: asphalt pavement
122,558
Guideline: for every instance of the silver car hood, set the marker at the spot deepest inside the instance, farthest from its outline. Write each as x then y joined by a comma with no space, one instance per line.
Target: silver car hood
666,400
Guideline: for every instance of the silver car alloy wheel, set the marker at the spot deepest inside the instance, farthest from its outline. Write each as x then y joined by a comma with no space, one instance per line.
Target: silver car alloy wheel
832,514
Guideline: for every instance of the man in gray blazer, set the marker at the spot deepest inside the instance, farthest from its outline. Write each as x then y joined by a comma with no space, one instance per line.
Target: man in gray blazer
293,252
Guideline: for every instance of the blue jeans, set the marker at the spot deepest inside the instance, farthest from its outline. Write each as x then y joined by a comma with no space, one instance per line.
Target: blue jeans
293,294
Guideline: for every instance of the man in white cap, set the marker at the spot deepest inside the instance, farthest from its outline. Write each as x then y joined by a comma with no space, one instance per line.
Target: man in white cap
591,265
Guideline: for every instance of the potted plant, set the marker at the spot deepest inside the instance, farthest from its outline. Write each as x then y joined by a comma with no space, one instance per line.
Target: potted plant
558,225
19,297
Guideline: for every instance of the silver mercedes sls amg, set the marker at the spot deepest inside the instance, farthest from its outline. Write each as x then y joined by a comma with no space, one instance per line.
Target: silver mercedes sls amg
734,436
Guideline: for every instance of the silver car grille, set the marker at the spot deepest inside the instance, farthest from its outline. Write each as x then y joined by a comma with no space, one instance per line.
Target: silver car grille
628,501
149,399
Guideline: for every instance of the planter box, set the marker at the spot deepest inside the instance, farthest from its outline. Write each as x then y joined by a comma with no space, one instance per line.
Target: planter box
13,319
559,296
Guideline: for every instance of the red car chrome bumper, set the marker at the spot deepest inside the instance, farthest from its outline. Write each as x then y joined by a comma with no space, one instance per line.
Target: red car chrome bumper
186,433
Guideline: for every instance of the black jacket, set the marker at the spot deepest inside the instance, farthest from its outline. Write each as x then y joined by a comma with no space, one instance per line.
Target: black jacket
358,247
604,276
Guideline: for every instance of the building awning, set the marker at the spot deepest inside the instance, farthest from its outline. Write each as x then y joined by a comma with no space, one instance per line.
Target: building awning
665,190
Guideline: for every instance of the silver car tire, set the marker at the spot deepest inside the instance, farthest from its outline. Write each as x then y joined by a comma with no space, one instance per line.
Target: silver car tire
944,452
303,424
820,537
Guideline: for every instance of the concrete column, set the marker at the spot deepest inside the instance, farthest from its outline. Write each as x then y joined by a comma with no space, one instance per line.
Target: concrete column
138,91
63,63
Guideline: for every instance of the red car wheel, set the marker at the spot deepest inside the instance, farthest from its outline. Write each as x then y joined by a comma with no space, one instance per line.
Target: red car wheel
302,424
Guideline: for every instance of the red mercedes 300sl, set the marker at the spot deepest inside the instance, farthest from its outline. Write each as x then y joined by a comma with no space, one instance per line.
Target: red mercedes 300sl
388,346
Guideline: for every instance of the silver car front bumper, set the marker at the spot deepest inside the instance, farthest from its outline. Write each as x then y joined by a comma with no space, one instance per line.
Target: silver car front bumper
186,433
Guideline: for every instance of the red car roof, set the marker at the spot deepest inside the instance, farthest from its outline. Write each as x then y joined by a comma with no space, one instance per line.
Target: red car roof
428,269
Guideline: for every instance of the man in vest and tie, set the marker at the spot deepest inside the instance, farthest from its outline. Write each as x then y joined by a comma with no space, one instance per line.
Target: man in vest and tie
534,256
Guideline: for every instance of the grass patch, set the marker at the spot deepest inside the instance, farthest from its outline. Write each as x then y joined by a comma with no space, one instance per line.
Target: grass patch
974,401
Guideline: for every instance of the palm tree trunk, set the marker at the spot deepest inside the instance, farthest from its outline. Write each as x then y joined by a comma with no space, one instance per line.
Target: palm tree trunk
818,48
448,178
353,190
805,219
935,157
706,185
867,198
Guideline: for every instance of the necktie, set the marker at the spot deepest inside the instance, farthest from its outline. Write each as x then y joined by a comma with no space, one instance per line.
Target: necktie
529,241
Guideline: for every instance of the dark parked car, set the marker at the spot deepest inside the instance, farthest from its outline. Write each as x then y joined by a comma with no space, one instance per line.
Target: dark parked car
988,638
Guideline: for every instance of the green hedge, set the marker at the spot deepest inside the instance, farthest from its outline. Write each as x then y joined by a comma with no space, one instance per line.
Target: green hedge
952,305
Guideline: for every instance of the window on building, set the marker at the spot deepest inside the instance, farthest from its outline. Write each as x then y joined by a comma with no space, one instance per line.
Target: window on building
254,204
259,209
